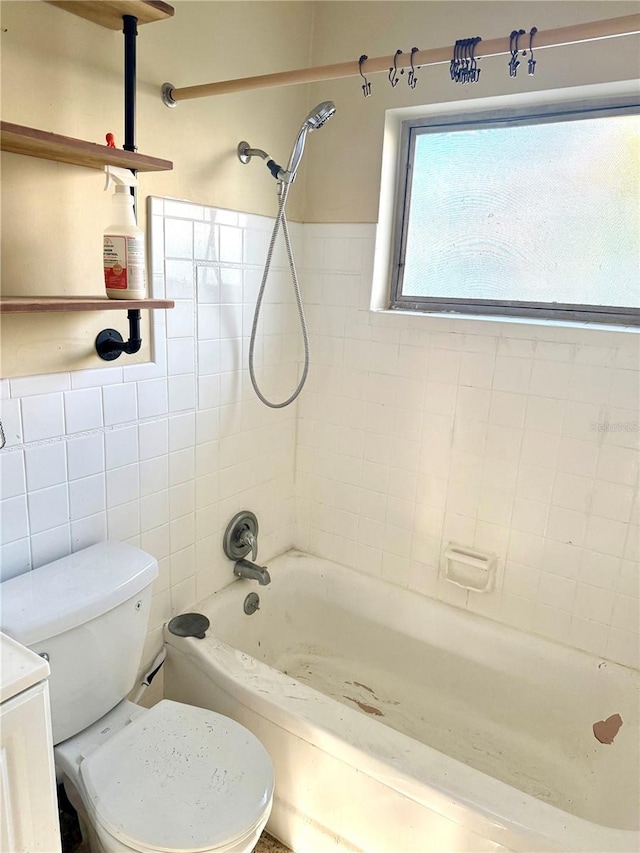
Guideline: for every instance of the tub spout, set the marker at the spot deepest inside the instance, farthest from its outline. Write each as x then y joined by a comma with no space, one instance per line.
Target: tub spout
247,569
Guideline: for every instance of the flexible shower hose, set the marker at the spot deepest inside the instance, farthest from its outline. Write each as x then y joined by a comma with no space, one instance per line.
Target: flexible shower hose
281,219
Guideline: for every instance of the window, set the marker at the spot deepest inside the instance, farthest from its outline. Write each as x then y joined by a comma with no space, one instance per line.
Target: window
534,214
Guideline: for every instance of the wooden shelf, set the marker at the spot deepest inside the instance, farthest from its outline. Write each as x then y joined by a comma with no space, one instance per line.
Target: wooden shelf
46,304
65,149
108,13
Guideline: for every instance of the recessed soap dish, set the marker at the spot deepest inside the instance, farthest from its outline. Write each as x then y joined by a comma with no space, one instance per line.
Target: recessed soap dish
468,568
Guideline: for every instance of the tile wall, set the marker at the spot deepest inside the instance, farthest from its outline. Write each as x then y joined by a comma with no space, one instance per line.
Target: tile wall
162,455
517,439
513,438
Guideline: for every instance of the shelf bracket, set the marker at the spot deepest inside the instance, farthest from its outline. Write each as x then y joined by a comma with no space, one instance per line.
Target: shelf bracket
110,344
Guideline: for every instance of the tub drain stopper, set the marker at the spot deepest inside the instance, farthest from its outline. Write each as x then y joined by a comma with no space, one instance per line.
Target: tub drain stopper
189,625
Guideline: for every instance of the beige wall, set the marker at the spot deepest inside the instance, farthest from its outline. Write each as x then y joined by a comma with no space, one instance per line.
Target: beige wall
343,176
63,74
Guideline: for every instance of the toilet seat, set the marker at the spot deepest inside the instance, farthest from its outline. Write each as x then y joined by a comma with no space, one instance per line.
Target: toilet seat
179,778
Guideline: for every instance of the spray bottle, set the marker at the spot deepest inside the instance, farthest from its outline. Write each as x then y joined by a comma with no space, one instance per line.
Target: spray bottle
124,246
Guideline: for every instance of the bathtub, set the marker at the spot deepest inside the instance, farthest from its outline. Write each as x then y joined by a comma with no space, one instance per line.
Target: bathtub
398,724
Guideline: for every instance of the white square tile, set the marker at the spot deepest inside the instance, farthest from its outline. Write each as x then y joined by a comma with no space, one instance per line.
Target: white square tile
85,455
123,485
606,536
561,558
230,244
88,531
120,403
44,383
535,483
476,369
626,614
206,242
154,475
577,457
153,439
42,417
48,508
15,559
181,319
178,238
566,525
600,570
11,419
50,545
550,379
121,446
612,500
87,496
46,465
179,280
180,356
14,519
182,392
153,398
590,384
529,516
12,474
572,492
544,414
594,603
512,374
83,410
182,431
123,522
617,465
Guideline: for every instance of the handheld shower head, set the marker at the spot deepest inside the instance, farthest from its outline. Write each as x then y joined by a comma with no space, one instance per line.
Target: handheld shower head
320,115
316,119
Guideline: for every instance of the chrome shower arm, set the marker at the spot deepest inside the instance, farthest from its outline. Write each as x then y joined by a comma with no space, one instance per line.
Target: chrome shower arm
245,153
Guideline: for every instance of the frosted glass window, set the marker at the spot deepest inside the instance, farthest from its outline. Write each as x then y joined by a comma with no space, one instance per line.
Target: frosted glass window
529,216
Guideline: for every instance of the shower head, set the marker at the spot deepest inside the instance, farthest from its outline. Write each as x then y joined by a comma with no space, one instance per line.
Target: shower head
318,117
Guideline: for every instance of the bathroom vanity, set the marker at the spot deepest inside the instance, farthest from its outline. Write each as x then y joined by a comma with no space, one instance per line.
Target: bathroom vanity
28,802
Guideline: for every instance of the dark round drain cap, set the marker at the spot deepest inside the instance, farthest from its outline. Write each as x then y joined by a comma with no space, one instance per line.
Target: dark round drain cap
189,625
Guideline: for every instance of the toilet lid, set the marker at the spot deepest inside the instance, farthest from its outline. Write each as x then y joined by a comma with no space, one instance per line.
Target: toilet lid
179,778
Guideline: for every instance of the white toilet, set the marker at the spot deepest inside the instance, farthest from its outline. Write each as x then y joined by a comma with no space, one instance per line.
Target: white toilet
172,778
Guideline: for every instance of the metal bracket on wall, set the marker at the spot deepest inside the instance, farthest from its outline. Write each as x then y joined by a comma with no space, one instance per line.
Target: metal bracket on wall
110,344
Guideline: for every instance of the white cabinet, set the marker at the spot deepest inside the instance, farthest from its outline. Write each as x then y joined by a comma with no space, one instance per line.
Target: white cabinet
28,803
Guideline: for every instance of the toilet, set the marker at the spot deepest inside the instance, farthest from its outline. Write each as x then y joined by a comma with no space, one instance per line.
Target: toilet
171,778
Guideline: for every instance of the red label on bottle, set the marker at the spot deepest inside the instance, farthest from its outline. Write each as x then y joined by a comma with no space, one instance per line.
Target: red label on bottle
115,262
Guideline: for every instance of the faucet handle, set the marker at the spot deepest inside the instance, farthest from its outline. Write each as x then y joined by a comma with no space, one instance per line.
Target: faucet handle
249,538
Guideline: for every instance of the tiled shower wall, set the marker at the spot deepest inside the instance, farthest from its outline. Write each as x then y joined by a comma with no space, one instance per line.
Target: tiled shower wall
162,455
516,439
412,432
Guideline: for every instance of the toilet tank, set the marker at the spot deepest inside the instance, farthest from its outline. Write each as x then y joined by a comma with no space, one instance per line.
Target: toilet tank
88,614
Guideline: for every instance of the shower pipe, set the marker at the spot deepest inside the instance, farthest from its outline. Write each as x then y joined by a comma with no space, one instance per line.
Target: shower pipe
560,37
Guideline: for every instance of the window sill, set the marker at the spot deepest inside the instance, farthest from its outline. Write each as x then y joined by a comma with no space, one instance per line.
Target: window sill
464,320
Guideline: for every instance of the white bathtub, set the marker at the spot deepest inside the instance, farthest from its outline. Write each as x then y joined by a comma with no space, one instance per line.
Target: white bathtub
397,724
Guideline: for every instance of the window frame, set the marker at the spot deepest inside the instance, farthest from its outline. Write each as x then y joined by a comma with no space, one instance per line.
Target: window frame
513,117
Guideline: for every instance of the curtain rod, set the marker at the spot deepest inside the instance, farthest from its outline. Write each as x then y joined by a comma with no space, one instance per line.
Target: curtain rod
575,34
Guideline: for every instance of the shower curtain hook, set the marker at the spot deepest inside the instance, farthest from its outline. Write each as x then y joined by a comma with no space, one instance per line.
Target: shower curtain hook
366,86
475,71
393,72
531,65
454,61
513,48
412,80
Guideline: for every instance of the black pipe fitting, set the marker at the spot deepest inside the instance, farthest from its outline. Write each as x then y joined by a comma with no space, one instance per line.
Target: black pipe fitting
110,344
